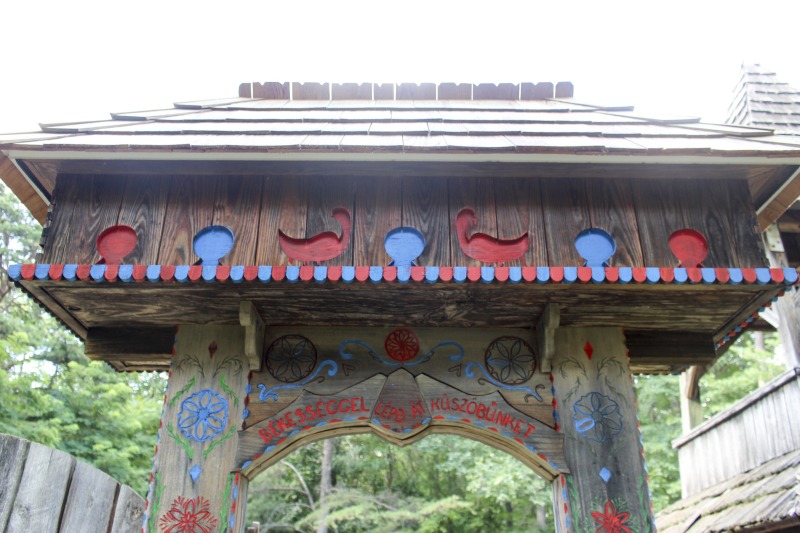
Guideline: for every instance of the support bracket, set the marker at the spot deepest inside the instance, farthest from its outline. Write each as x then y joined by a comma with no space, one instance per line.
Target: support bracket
545,335
253,335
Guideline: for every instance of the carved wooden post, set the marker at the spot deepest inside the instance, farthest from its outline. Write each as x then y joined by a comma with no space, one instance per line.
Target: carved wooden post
596,408
193,480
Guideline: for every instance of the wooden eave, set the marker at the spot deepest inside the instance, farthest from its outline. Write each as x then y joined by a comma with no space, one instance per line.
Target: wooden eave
649,303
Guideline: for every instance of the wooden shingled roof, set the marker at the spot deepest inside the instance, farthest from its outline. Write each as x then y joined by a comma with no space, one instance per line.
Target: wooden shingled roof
761,100
504,124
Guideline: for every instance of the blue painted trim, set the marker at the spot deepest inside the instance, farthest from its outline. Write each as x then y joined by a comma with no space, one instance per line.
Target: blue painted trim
292,273
15,272
625,274
431,274
709,276
42,271
598,274
209,272
320,273
376,274
70,271
154,272
125,272
265,273
487,274
542,274
515,274
681,276
460,274
403,274
237,273
736,275
348,273
763,276
97,272
789,275
570,274
182,273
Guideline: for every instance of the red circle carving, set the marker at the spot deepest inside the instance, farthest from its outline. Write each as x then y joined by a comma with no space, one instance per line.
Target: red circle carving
402,344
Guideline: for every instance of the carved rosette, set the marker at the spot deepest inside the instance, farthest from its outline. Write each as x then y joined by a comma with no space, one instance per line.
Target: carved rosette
291,358
510,360
402,344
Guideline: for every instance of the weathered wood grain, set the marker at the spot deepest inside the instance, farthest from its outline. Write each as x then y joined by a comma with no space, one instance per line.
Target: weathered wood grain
425,208
42,491
237,206
284,205
378,209
129,343
190,208
144,206
658,215
90,501
566,213
706,212
13,452
326,194
128,511
746,244
519,209
611,208
56,234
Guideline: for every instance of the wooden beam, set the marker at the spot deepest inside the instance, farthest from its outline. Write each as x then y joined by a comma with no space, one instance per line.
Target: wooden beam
781,200
670,348
545,336
254,333
129,344
23,189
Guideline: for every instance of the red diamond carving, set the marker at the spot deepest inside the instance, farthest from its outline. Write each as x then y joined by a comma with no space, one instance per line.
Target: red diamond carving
587,348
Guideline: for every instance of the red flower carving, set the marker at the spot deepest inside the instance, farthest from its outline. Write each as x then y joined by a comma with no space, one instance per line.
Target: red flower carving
188,516
611,521
402,344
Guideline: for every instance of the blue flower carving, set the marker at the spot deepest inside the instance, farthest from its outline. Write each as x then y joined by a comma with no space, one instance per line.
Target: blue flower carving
203,415
597,417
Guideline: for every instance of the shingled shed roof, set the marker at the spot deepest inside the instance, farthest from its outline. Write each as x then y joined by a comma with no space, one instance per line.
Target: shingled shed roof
761,100
445,123
766,498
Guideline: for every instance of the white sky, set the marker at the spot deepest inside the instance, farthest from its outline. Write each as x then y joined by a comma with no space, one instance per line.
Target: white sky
80,60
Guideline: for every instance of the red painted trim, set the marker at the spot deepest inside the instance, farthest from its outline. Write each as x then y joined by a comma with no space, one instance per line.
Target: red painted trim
722,274
84,271
55,272
112,272
667,274
585,274
446,274
390,273
167,272
250,273
28,271
307,272
195,272
749,275
695,274
334,273
639,274
501,273
777,275
529,274
474,273
417,273
362,273
279,273
612,274
223,272
557,274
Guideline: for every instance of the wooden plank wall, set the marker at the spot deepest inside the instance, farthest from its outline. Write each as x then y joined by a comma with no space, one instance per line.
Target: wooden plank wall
167,211
46,490
761,427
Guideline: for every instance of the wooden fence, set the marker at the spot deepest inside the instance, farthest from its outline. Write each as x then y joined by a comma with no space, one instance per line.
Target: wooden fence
46,490
760,427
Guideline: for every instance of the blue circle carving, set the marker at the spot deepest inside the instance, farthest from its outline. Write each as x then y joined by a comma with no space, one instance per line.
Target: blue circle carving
597,417
595,246
203,415
212,243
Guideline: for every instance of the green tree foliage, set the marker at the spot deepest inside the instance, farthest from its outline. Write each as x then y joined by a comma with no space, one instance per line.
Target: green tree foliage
440,484
51,393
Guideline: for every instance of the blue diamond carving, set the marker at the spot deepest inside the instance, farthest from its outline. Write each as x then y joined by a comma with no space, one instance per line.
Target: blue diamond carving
195,472
605,474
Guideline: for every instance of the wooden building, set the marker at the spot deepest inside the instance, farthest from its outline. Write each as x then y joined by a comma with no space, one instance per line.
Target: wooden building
486,260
